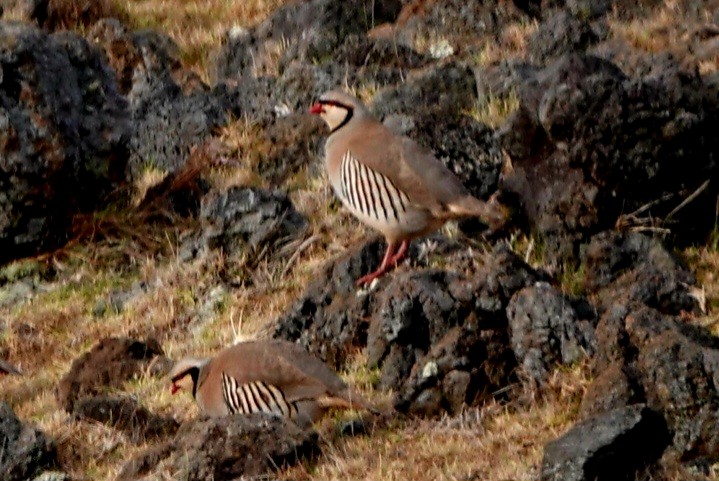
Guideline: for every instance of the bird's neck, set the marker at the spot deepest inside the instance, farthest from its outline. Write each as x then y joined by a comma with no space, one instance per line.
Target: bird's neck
199,376
345,121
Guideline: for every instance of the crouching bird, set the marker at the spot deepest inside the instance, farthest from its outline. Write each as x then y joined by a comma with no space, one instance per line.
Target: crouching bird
390,182
274,376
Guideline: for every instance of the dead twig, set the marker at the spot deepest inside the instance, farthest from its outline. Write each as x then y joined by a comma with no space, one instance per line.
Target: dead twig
686,201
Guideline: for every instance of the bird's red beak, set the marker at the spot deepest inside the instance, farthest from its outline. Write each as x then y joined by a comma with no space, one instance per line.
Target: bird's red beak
174,388
316,108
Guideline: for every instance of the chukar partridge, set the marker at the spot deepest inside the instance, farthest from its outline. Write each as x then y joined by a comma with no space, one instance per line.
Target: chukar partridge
6,368
276,377
390,182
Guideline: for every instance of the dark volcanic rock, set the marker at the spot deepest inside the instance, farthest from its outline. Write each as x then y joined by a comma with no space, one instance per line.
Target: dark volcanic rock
306,31
433,328
560,34
63,133
111,362
615,387
589,145
245,217
465,367
331,317
126,415
503,79
129,52
667,364
168,123
412,314
612,446
546,329
25,450
628,268
445,89
678,368
438,337
227,448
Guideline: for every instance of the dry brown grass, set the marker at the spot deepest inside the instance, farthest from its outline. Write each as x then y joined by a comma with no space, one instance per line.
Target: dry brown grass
116,249
673,26
496,441
511,44
705,263
197,27
494,110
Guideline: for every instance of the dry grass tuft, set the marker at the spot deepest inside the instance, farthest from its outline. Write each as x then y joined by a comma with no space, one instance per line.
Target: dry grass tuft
494,110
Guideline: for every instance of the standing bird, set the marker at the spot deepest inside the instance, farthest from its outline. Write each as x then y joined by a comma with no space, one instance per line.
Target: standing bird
277,377
390,182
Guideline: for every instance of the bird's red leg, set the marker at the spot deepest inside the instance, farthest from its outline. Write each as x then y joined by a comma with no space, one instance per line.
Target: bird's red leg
384,267
400,253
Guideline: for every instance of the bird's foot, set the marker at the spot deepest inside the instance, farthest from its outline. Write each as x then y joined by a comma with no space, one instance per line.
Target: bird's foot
367,280
389,262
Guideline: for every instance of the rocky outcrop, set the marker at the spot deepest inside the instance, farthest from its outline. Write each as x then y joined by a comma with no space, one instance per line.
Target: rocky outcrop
126,415
242,218
438,337
592,148
562,33
611,446
450,27
669,365
26,451
130,52
643,356
226,448
168,123
443,89
63,132
306,31
330,319
548,328
632,268
110,363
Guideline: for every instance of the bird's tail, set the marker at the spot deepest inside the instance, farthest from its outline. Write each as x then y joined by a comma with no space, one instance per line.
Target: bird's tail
491,212
348,400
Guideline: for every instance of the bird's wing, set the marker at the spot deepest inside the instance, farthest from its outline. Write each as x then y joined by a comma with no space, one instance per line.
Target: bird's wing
413,169
309,364
260,362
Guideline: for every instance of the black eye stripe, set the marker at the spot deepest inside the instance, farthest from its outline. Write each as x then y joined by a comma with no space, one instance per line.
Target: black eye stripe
335,103
185,373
